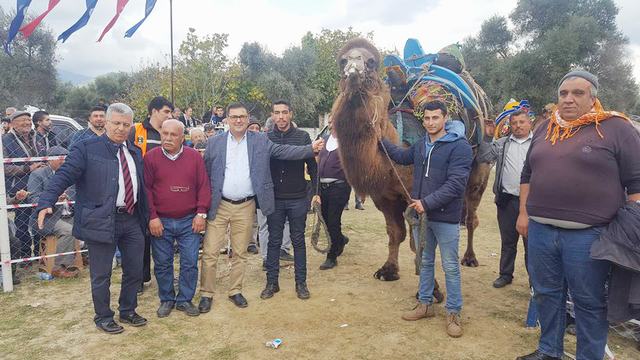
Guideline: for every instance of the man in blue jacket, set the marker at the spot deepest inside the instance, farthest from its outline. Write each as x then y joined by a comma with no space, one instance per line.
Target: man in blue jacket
111,210
442,162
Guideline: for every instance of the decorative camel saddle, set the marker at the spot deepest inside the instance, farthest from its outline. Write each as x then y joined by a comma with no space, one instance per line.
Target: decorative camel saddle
419,78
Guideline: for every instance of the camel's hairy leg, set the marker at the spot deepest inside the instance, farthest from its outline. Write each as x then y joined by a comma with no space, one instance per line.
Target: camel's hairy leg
392,210
475,188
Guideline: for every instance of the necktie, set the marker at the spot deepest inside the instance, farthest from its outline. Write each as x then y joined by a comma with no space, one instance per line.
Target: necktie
128,185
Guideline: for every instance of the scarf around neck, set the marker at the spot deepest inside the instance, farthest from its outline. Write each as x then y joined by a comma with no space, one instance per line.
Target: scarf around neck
560,129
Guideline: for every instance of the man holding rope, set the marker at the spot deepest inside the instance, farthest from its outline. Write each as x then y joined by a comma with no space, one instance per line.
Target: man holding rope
442,162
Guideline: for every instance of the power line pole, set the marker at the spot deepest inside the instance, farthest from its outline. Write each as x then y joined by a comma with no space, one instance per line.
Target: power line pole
171,30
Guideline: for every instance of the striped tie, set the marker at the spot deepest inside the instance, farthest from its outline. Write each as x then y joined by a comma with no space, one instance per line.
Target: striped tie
128,186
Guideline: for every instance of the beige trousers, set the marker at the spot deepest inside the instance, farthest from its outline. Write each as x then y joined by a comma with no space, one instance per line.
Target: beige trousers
239,218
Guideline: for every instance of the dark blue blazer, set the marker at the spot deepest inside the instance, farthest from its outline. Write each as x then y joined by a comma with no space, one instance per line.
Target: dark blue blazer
92,166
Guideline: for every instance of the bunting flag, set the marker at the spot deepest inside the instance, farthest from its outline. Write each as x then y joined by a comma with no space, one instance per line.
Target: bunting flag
21,6
119,7
84,19
147,10
28,29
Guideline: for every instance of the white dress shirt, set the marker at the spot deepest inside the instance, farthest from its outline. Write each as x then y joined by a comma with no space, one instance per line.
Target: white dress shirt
134,177
237,178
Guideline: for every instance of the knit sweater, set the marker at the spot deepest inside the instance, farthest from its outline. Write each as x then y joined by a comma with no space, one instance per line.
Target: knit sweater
288,175
583,178
177,188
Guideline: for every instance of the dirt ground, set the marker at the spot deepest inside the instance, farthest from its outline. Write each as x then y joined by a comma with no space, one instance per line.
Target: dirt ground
350,314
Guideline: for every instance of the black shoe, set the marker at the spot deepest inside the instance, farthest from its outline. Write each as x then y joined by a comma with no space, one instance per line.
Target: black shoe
188,308
501,282
239,300
269,290
536,355
205,304
165,308
252,249
285,256
302,291
329,264
133,319
110,327
140,288
359,206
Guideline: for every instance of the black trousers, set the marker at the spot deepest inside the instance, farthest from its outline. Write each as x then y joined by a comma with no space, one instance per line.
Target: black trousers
333,199
294,210
146,261
508,211
130,241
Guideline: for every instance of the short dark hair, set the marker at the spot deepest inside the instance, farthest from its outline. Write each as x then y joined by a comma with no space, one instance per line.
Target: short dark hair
436,105
208,127
97,108
236,105
518,113
38,116
6,119
218,107
158,103
281,102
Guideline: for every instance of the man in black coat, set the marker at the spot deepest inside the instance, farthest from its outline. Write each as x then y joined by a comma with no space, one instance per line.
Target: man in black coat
111,210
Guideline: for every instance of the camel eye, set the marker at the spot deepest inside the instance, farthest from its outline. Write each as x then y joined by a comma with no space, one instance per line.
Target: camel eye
371,64
343,63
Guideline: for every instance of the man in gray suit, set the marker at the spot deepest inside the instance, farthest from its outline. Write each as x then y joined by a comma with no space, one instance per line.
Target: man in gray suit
38,181
237,162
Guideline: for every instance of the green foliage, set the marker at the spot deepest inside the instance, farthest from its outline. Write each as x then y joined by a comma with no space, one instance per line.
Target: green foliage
28,76
554,37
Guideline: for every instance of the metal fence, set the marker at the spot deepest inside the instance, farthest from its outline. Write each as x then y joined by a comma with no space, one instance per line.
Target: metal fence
24,170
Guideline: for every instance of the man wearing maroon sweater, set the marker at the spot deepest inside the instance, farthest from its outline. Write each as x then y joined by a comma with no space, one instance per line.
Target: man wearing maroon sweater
580,169
179,195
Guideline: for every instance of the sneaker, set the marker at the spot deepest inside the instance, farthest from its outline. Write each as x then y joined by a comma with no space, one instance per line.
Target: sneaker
285,256
252,249
420,311
501,282
188,308
165,309
454,327
302,291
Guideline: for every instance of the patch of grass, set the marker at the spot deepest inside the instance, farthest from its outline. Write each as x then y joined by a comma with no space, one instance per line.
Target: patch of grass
225,353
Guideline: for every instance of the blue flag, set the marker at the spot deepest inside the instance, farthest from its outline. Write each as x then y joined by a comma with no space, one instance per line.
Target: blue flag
147,10
84,19
21,6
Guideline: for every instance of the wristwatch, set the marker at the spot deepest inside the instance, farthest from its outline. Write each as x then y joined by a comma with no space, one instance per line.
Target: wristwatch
202,215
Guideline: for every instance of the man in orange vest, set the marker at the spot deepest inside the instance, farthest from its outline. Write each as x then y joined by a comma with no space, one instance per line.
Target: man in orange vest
146,136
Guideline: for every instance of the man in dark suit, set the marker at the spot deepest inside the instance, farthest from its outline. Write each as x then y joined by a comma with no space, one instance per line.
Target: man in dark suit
111,210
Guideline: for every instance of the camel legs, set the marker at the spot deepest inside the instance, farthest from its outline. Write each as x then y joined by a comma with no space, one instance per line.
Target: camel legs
392,209
475,188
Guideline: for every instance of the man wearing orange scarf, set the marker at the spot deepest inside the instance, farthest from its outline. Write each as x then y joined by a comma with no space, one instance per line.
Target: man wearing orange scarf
580,167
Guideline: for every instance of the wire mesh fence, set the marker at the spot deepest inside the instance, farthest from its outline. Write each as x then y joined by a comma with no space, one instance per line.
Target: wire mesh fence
30,157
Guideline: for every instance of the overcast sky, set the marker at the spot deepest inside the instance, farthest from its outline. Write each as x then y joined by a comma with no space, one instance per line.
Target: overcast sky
277,24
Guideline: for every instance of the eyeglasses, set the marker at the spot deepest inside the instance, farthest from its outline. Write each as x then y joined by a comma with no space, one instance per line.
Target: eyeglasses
238,117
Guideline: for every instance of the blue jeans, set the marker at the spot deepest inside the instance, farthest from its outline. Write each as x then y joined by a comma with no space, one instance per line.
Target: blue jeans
295,210
445,235
180,231
559,258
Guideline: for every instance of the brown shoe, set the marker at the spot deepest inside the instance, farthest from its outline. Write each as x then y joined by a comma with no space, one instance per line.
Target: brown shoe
419,312
454,328
64,273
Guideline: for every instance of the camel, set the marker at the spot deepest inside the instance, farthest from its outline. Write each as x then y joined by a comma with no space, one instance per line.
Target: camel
360,118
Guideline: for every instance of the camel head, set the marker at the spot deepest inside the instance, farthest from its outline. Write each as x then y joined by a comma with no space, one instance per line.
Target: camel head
359,61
